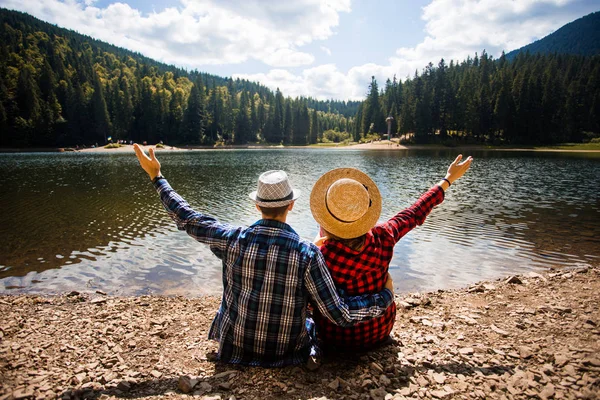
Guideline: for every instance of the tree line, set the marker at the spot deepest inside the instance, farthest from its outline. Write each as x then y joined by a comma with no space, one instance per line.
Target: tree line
535,99
60,88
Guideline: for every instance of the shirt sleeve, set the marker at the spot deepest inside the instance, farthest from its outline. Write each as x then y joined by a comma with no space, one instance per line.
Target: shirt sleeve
403,222
342,311
202,227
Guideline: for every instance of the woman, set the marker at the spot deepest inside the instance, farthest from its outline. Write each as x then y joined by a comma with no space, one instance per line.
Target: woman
346,203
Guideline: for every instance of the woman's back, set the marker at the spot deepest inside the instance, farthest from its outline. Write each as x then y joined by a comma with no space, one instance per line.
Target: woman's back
356,272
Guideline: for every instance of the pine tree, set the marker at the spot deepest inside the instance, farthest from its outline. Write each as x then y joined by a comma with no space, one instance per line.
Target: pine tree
356,132
176,106
47,82
215,109
288,124
5,135
274,132
372,118
254,121
440,99
193,124
101,121
27,96
242,121
314,127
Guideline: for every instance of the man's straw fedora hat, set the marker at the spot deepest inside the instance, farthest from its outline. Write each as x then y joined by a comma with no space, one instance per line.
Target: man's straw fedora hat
346,202
274,190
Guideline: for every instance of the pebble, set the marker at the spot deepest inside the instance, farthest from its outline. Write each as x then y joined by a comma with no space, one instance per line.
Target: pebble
505,341
466,351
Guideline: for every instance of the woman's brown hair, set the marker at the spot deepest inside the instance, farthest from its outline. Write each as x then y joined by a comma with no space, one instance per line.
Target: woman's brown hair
355,244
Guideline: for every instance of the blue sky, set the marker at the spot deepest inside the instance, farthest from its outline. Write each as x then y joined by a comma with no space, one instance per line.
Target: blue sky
319,48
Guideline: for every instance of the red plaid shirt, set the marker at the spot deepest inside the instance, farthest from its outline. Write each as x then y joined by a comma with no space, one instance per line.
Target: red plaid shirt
365,271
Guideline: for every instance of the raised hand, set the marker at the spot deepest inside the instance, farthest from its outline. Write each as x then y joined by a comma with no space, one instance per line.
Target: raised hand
149,164
457,168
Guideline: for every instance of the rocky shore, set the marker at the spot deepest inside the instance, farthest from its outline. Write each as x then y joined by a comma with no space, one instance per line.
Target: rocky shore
530,336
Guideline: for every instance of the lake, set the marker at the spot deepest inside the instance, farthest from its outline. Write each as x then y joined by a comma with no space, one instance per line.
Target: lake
84,221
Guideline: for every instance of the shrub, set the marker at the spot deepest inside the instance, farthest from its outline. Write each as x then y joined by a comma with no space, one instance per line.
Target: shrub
369,137
331,136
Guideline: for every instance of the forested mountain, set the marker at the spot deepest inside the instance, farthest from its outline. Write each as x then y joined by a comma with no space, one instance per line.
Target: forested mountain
580,37
61,88
536,99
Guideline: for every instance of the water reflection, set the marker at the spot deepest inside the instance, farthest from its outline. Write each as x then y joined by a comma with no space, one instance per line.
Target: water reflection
92,220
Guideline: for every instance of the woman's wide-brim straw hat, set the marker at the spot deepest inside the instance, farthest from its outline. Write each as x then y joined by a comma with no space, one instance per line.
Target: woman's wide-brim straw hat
274,190
346,202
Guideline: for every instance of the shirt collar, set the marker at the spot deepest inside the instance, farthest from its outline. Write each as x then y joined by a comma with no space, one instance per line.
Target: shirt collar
335,244
271,223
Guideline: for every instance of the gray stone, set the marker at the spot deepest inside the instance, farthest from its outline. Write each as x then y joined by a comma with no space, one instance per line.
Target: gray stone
186,383
466,351
156,373
384,380
440,394
439,378
498,330
515,280
22,393
375,366
525,352
124,386
225,374
547,392
378,394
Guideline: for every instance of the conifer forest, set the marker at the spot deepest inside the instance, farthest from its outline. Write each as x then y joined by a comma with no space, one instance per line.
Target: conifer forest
59,88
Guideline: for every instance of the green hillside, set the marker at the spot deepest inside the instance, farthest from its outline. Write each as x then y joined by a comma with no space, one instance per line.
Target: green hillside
580,37
61,88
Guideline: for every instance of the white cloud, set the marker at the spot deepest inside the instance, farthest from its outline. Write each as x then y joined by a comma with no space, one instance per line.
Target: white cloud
326,50
220,32
201,32
454,30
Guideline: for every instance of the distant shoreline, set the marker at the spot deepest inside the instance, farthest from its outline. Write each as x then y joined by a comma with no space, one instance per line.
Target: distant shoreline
380,145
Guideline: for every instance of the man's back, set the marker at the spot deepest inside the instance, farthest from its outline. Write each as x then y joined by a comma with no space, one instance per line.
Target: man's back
262,315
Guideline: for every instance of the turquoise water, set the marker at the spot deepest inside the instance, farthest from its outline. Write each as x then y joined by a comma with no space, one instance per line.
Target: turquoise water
82,221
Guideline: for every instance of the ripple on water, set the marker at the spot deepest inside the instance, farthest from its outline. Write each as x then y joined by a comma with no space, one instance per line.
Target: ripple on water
510,213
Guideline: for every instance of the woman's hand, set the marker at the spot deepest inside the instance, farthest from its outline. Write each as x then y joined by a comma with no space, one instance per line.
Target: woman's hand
457,168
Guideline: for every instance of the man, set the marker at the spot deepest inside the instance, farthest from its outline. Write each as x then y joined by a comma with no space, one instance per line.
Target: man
269,276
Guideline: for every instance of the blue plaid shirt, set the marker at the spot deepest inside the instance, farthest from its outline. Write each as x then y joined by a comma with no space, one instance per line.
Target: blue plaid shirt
269,276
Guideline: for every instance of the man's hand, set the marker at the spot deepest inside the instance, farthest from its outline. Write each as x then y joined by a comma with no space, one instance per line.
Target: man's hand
149,164
458,169
389,284
319,240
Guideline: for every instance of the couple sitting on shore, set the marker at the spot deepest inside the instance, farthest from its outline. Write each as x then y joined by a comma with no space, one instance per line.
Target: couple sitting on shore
271,275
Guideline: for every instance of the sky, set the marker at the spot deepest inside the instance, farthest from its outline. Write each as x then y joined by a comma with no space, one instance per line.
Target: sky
326,49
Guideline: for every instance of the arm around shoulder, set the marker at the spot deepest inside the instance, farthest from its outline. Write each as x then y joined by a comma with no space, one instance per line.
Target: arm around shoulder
343,311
